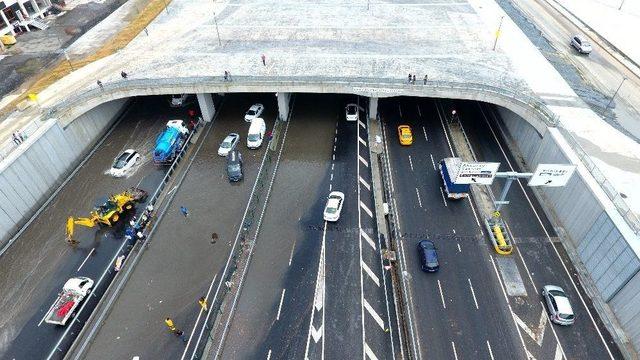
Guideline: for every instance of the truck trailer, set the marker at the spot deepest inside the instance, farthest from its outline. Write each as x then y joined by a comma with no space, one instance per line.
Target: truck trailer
449,168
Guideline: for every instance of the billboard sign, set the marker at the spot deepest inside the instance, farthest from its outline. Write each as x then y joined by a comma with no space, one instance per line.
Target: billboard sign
552,175
476,173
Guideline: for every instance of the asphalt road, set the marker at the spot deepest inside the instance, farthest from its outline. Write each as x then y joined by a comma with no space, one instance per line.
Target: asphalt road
305,292
40,262
183,263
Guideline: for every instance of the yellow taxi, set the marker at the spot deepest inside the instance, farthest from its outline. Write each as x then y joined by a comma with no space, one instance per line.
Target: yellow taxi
404,134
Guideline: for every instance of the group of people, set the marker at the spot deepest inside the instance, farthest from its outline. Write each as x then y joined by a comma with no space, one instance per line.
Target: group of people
136,228
411,79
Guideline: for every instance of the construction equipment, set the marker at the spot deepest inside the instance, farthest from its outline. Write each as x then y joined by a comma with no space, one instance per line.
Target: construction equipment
498,234
108,213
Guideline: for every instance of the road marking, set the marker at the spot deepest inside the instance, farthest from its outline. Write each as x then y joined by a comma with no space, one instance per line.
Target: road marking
292,247
459,249
444,200
473,293
400,110
419,200
318,299
85,259
334,157
410,163
370,273
362,124
490,351
368,239
331,177
538,334
369,352
333,165
433,163
544,312
315,334
336,131
330,187
455,353
366,209
334,148
424,131
373,313
441,295
454,231
474,213
363,161
363,182
362,141
559,354
419,112
269,354
280,306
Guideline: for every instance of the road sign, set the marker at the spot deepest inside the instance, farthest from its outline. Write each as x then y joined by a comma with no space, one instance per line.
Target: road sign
552,175
476,173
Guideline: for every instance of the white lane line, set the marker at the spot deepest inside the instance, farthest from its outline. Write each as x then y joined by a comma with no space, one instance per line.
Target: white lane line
269,355
85,259
370,273
410,163
419,200
473,293
441,295
366,209
424,131
373,313
490,351
474,213
455,353
336,131
363,161
400,110
362,141
368,239
454,231
318,299
369,352
363,182
330,187
559,355
362,124
444,200
444,130
433,163
333,166
555,335
331,177
280,306
292,248
334,148
459,249
419,112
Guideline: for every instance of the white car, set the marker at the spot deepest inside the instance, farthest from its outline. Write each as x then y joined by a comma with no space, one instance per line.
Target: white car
581,44
334,206
123,163
228,144
179,100
351,112
560,311
254,111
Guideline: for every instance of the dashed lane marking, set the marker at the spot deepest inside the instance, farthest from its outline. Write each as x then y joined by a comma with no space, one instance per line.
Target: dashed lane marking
280,306
86,258
444,200
369,352
373,313
424,131
362,160
370,273
365,184
269,355
362,141
418,195
330,187
331,177
334,157
455,353
368,239
459,249
366,209
441,295
491,351
410,163
473,293
433,163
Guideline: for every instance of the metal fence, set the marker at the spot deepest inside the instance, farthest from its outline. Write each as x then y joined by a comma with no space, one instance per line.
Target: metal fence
10,144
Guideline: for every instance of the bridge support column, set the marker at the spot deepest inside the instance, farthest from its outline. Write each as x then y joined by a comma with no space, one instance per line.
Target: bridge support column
283,105
373,108
207,107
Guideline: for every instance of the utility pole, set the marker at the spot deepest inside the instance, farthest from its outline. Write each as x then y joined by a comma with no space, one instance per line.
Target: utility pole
614,96
498,33
622,3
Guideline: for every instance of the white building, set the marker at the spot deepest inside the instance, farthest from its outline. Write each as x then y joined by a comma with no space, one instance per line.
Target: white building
22,15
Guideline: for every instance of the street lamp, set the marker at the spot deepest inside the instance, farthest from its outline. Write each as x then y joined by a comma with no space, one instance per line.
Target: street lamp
614,96
498,33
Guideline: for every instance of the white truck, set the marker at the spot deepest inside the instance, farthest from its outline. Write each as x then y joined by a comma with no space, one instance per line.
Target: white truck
73,292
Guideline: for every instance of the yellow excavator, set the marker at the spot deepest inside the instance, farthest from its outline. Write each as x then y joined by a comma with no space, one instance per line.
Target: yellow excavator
108,213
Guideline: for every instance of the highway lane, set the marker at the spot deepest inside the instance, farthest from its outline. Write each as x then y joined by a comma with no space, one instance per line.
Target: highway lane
183,263
538,249
459,312
40,262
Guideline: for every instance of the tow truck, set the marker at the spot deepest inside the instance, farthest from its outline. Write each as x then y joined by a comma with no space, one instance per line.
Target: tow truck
109,212
73,292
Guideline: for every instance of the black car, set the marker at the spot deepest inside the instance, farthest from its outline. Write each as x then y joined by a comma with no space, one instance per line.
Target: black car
428,256
234,165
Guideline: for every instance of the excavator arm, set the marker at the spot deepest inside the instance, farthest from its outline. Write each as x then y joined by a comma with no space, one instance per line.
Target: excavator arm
71,222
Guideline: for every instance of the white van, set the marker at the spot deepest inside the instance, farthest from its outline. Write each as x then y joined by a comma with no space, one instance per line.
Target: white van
256,133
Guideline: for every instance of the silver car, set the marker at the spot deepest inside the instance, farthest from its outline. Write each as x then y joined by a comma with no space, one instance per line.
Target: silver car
558,305
581,44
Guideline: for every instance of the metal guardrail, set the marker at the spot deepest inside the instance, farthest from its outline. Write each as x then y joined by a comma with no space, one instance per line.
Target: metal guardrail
9,145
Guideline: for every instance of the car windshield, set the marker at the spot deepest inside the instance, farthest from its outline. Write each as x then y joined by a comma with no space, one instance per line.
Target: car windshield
251,112
557,293
121,161
351,110
226,144
406,135
331,210
253,137
234,168
566,316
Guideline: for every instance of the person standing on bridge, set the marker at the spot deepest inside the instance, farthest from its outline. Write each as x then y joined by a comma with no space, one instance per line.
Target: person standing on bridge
409,79
123,74
100,84
264,60
184,211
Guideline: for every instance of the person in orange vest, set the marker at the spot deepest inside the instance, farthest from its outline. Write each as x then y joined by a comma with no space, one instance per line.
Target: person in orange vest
170,324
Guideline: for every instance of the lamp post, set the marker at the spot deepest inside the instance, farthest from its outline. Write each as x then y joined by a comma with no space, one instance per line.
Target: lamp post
614,96
498,33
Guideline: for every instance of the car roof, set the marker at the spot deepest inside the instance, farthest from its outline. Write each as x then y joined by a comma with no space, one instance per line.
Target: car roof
426,243
333,203
564,307
255,106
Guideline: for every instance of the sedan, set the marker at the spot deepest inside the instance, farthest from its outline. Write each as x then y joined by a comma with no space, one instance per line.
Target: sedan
123,163
351,112
404,134
580,44
558,305
228,144
254,111
428,256
179,100
334,206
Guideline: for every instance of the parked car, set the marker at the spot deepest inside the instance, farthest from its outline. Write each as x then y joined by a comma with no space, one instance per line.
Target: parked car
558,305
404,134
334,206
581,44
179,100
234,165
428,256
124,162
254,111
351,112
228,144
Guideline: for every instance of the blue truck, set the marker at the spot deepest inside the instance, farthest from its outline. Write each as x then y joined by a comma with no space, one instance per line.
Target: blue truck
449,168
169,142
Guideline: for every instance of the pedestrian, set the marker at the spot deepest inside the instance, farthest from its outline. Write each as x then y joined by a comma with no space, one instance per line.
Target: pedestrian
203,303
180,334
16,138
409,81
170,324
100,84
414,79
226,75
214,238
264,59
123,74
184,211
425,79
229,76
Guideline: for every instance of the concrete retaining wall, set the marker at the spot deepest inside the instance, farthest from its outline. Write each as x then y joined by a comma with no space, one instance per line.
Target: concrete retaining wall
32,172
599,236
